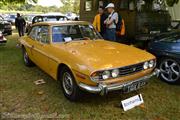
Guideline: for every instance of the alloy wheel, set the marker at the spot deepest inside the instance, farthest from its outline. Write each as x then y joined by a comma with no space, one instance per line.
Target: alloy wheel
25,57
67,83
170,70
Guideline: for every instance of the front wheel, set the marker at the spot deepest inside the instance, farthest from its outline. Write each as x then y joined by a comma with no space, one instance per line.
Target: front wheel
70,88
170,70
26,58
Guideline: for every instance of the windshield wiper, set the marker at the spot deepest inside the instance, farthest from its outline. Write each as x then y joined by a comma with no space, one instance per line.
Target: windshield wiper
84,38
78,39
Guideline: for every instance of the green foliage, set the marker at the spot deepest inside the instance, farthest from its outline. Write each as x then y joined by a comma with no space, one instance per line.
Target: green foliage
71,6
24,5
29,7
17,1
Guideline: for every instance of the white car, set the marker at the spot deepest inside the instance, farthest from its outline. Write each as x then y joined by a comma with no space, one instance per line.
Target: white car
71,16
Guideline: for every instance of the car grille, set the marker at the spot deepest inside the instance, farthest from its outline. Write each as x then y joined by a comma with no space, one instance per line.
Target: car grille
130,69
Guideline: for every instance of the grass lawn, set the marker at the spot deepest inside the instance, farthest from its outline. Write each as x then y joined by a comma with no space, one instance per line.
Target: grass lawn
19,95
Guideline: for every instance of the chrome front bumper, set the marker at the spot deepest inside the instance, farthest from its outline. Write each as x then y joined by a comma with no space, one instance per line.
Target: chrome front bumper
103,89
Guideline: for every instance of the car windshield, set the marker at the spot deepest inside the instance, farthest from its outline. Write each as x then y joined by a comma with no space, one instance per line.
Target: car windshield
68,33
154,5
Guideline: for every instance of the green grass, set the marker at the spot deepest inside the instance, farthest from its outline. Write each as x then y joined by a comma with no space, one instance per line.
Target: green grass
19,95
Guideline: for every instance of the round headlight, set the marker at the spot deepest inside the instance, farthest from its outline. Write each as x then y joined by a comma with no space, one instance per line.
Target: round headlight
115,73
146,65
106,75
151,63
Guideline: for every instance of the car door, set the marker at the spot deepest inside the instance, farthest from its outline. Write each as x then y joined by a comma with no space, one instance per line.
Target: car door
40,48
30,41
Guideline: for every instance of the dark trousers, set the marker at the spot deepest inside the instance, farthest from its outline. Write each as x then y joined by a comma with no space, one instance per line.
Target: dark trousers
21,31
111,34
103,34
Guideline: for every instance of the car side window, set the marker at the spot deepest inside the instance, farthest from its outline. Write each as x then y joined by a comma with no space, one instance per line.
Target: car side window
44,34
33,34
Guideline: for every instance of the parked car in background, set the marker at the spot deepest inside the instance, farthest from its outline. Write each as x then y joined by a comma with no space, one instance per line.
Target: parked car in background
75,54
167,49
71,16
2,38
45,18
28,19
11,18
5,26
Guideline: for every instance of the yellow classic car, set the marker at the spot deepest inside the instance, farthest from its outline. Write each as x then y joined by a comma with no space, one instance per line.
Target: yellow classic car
75,54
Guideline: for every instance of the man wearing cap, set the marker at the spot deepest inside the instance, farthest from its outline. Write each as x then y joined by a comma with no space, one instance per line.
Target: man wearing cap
111,22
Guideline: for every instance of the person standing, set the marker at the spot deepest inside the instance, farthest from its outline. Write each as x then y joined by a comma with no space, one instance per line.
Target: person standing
111,22
20,24
98,22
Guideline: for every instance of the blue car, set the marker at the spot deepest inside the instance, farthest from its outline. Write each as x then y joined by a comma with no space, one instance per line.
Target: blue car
166,47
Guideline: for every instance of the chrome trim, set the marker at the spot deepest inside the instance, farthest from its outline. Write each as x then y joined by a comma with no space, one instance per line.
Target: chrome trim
103,89
110,69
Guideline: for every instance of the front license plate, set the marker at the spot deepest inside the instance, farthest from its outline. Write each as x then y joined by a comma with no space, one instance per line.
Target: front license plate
133,87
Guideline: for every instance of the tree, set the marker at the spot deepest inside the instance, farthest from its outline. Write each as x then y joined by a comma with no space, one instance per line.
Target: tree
76,6
70,6
17,1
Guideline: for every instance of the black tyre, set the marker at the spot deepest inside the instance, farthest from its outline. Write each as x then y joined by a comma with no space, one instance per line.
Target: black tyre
170,70
26,58
70,88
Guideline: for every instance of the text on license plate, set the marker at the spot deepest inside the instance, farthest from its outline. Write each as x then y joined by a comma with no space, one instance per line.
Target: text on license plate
133,87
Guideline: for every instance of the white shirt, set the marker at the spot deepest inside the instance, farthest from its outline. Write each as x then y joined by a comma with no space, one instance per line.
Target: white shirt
112,17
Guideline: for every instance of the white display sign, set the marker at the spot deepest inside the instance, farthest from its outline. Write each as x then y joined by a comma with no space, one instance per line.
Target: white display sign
132,102
68,39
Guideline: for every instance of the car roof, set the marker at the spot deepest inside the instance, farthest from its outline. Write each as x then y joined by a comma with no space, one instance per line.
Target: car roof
54,23
48,15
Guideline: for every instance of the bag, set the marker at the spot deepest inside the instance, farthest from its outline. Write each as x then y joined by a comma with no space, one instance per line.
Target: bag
119,24
122,31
